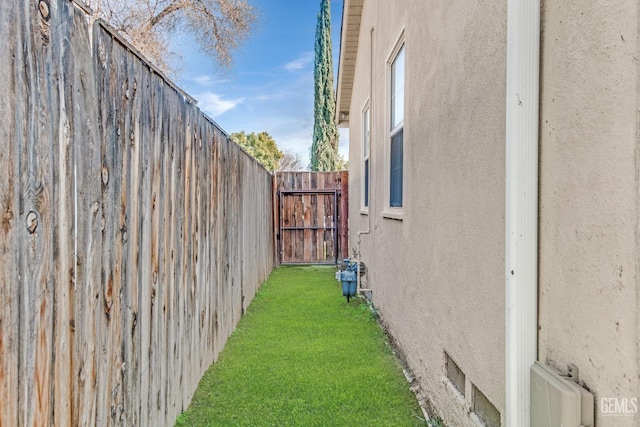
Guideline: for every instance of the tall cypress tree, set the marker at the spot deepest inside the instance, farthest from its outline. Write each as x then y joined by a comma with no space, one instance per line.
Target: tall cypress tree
324,150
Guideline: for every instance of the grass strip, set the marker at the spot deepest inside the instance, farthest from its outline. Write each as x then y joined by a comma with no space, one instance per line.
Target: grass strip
302,356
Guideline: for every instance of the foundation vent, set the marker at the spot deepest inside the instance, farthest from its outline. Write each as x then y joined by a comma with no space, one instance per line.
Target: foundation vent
454,374
484,410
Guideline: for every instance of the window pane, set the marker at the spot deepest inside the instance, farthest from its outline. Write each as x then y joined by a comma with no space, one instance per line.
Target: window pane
395,199
366,183
366,145
367,132
397,89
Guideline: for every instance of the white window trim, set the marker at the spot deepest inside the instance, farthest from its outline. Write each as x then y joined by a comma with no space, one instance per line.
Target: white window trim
396,213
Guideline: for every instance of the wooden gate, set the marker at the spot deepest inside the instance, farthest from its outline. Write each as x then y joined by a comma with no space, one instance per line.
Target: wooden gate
312,212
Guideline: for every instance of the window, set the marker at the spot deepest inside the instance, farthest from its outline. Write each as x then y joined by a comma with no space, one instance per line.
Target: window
366,143
397,128
395,195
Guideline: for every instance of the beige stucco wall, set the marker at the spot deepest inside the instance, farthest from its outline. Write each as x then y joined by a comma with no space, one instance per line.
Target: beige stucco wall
438,274
589,197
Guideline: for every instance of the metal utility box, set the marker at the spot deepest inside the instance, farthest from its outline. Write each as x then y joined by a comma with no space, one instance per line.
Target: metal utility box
349,281
557,400
348,275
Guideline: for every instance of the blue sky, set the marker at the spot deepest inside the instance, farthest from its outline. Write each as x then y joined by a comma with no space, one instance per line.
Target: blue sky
270,87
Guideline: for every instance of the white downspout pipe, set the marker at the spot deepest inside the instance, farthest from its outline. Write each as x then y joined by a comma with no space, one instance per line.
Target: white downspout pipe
371,211
521,208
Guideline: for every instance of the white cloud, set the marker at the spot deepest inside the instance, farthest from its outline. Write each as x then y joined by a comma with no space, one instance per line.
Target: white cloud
207,80
282,108
215,105
300,62
203,80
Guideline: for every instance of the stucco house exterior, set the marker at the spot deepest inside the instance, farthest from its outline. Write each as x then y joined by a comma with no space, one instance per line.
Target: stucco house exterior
494,195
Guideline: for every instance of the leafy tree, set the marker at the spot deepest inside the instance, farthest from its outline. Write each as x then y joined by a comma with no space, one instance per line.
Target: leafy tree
260,146
324,150
218,26
291,161
342,164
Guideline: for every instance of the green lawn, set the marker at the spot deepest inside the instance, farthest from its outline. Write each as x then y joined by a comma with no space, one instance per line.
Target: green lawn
302,356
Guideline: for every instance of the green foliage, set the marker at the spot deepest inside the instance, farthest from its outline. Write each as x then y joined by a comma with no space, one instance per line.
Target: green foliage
341,163
303,356
436,422
260,146
324,150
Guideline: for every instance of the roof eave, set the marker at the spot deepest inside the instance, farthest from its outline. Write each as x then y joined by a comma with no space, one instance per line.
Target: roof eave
349,35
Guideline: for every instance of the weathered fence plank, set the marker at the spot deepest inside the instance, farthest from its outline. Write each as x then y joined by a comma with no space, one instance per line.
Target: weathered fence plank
134,232
11,216
157,385
80,256
38,119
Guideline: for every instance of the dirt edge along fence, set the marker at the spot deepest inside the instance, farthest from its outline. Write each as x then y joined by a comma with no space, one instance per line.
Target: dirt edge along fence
134,232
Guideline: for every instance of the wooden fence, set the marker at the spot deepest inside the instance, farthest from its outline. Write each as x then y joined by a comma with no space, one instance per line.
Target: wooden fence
311,217
134,233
